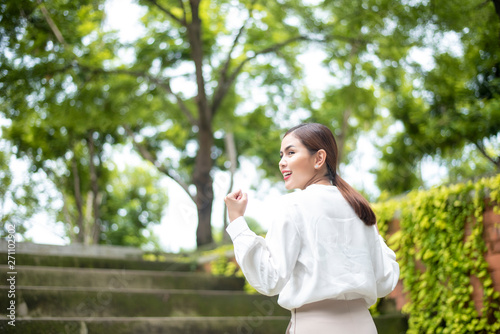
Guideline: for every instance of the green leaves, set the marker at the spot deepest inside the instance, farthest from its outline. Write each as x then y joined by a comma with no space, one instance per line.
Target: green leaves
134,201
440,249
446,105
204,69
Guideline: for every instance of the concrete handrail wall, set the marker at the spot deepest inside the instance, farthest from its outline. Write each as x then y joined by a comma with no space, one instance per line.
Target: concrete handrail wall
76,250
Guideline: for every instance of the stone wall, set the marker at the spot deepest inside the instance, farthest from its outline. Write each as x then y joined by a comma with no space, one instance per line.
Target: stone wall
491,235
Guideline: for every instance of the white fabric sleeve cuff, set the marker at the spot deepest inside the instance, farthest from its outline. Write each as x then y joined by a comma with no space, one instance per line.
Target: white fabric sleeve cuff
236,227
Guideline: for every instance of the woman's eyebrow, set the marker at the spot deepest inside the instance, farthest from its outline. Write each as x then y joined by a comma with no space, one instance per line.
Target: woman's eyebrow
286,148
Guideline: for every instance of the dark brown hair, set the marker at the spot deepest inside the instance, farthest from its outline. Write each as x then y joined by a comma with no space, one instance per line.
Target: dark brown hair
316,136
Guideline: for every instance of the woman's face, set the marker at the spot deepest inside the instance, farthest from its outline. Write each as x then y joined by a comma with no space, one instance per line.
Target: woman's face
296,164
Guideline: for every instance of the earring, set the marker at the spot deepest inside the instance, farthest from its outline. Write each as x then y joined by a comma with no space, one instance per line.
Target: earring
316,166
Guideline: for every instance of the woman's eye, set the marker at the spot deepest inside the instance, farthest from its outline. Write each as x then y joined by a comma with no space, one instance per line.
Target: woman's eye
291,152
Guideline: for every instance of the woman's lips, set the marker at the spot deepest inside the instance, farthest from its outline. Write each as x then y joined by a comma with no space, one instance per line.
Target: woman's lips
286,175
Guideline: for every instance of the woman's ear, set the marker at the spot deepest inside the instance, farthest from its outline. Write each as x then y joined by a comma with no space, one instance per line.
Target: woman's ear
320,158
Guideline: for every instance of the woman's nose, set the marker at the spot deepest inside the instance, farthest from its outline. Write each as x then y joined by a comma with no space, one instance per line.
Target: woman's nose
282,162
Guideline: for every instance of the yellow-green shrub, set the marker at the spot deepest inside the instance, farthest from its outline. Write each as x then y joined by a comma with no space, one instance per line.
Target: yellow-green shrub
437,258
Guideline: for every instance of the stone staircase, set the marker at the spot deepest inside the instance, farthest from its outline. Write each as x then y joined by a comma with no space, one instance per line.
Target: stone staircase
72,293
75,293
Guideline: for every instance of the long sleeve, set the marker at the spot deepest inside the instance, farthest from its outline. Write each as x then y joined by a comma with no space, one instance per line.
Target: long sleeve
387,271
266,263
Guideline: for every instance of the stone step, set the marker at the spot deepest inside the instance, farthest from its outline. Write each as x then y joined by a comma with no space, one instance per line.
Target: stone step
255,323
120,302
99,262
252,323
120,278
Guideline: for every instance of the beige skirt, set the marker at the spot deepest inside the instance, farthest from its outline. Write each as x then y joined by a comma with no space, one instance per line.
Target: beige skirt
332,316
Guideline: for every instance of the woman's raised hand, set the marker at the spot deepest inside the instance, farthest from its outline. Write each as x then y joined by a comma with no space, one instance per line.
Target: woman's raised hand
236,203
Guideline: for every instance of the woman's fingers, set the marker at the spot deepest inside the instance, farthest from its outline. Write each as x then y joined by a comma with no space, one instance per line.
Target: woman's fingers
234,195
237,194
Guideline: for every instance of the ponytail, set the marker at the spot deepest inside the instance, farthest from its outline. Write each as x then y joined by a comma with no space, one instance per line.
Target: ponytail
357,202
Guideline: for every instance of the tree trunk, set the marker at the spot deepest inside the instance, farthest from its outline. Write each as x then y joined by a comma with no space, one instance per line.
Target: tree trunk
96,228
497,7
233,159
343,133
196,43
344,126
78,201
495,161
204,186
69,219
203,163
497,10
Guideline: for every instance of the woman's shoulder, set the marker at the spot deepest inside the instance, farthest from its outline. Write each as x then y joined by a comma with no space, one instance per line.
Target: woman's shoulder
312,193
289,199
319,189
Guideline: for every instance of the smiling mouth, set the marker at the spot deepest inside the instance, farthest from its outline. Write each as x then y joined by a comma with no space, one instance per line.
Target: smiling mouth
287,175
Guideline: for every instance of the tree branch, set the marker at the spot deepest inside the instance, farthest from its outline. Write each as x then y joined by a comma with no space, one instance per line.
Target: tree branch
221,92
94,185
223,88
197,55
233,159
236,39
484,3
169,13
481,149
221,85
78,199
180,102
69,219
497,7
147,155
51,23
181,2
185,110
235,42
165,84
329,38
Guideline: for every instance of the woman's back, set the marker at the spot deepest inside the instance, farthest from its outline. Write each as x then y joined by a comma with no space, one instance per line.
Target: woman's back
339,256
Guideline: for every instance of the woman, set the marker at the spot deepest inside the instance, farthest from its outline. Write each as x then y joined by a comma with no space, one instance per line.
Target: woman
323,254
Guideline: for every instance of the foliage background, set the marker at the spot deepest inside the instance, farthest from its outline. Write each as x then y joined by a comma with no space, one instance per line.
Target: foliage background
196,92
440,248
207,87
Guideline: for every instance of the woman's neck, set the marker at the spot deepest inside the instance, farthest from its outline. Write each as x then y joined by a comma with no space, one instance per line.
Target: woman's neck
323,180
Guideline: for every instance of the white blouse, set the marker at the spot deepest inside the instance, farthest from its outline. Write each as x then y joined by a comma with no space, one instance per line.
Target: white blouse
316,248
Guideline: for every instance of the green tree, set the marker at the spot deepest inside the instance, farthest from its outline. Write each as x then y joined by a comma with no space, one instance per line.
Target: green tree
57,53
215,49
354,33
353,37
452,104
64,118
56,115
